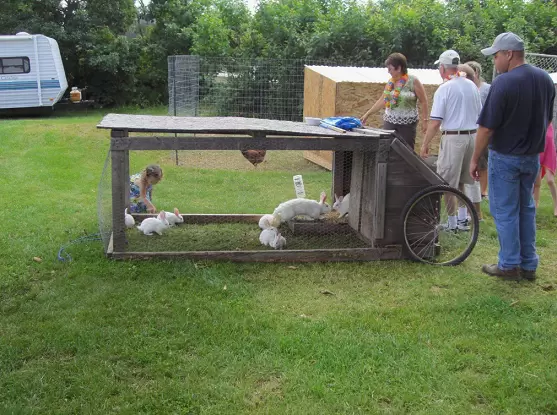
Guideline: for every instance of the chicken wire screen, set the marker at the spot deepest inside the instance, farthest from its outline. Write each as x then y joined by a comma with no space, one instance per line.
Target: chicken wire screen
104,203
222,196
244,87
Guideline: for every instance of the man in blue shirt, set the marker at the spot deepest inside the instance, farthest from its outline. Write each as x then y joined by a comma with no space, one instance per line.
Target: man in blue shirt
513,121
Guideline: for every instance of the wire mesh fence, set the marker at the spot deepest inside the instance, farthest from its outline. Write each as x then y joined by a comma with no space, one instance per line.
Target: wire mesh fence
104,203
549,64
243,87
546,62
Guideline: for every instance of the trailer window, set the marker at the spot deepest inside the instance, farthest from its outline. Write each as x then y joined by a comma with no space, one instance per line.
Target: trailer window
14,65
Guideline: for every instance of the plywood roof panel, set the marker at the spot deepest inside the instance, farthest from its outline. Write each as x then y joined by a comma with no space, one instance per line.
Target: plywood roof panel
373,75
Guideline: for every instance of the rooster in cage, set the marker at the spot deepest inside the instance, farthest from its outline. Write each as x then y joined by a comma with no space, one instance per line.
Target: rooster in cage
255,157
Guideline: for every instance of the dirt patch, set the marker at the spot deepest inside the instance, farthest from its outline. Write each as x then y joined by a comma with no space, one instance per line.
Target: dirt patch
265,388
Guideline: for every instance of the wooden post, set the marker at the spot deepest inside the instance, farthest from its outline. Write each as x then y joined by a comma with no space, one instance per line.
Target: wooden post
381,189
120,191
367,195
380,197
354,213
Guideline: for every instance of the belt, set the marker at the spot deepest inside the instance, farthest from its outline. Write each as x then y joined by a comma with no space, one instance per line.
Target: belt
459,132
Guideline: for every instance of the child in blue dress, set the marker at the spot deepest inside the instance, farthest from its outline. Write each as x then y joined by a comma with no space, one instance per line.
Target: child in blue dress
141,189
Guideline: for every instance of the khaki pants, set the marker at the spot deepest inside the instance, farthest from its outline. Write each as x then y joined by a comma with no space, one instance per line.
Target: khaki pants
455,154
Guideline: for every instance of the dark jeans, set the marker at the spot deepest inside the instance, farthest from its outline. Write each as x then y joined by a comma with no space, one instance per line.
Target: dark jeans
511,183
406,131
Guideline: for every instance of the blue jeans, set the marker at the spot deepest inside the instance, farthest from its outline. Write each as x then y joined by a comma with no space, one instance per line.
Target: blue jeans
511,183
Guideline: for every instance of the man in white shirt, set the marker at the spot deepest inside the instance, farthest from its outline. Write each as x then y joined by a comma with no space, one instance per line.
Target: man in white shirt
456,107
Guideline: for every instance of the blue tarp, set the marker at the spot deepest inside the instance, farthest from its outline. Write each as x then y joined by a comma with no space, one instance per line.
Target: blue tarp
346,123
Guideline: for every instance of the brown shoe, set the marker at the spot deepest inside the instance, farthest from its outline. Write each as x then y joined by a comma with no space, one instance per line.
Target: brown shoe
504,274
528,275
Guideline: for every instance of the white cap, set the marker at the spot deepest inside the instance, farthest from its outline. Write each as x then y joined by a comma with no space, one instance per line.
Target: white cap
449,57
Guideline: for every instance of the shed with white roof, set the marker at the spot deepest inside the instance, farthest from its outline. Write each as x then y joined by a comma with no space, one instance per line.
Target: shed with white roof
350,91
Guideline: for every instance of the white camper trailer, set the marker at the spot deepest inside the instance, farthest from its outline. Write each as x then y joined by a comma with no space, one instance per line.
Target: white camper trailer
31,72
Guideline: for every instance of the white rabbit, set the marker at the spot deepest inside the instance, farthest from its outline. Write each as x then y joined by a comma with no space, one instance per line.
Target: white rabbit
279,242
295,207
272,237
342,204
157,225
128,219
174,218
268,221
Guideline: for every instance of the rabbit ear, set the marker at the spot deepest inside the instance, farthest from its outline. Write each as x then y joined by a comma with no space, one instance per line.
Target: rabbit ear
323,197
340,199
162,215
126,211
336,198
176,212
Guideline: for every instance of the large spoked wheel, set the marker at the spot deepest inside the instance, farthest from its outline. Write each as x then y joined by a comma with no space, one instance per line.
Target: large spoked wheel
430,236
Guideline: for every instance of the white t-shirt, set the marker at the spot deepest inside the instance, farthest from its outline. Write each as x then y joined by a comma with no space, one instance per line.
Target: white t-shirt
457,105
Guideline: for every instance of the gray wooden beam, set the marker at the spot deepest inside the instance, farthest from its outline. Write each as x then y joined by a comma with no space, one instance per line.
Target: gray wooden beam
413,160
201,218
315,255
242,143
380,197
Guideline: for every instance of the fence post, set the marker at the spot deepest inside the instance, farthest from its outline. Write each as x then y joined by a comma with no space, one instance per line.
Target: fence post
172,76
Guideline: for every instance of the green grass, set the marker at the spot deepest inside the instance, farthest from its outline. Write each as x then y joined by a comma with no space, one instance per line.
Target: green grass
143,337
233,237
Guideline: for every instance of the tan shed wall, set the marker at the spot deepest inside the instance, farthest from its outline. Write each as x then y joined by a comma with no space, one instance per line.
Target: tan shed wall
319,95
319,101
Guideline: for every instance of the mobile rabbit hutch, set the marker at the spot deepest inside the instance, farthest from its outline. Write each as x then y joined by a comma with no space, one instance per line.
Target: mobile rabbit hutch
397,203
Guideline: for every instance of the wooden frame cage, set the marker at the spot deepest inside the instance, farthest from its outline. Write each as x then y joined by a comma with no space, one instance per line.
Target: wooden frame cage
380,172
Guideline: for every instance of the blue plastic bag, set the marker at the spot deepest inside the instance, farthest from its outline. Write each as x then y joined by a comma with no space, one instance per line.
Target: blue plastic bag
346,123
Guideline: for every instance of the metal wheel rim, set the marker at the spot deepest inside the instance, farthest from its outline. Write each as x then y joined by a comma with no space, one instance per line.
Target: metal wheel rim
425,233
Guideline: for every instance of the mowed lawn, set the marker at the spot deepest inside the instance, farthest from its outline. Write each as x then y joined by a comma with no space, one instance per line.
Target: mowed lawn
95,336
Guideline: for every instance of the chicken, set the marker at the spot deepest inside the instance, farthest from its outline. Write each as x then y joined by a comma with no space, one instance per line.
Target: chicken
254,156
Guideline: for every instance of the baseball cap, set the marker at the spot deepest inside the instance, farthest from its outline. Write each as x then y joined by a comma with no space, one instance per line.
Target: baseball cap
449,57
505,41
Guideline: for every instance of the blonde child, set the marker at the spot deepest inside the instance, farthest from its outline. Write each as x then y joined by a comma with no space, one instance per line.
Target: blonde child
141,189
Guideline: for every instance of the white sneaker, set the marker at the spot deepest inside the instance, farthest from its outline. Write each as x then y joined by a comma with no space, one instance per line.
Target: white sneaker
445,227
463,225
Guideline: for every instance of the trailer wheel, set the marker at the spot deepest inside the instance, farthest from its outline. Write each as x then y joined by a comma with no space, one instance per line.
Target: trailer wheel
428,235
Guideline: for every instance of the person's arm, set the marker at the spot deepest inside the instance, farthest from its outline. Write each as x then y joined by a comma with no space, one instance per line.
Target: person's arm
380,103
143,197
435,120
422,98
433,128
482,140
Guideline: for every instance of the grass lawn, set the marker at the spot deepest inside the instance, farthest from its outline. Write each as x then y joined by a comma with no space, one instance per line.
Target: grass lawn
149,337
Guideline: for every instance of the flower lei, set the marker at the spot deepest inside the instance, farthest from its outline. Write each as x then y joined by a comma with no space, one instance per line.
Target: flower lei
455,75
391,101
